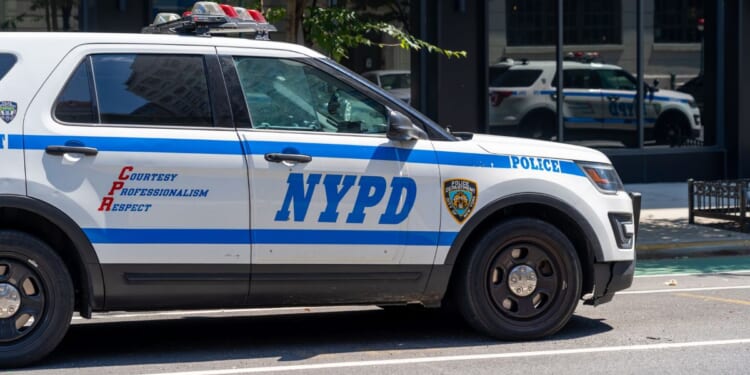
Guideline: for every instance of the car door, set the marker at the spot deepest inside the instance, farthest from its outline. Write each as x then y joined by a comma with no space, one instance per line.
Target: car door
582,104
339,212
136,144
618,91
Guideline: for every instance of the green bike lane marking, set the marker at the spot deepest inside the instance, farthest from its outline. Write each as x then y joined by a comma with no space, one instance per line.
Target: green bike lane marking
692,265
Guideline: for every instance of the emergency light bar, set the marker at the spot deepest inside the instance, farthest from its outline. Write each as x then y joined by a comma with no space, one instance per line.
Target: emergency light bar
207,18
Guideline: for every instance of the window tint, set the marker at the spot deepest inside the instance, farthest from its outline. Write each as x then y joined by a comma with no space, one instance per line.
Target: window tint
517,78
6,62
616,79
579,79
74,103
152,89
289,95
396,81
496,73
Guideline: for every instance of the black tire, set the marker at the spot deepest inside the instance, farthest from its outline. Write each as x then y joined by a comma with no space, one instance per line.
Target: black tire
538,125
483,294
673,129
45,290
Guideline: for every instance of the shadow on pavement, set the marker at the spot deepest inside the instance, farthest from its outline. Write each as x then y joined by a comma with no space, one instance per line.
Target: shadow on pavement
283,338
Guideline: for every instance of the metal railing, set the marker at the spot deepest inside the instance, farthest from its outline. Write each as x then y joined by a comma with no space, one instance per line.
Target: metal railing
723,199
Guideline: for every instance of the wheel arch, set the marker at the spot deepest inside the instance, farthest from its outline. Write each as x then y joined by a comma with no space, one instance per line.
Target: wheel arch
535,205
60,232
672,112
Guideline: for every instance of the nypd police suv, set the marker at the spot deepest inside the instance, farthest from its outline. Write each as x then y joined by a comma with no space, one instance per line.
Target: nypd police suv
598,105
162,171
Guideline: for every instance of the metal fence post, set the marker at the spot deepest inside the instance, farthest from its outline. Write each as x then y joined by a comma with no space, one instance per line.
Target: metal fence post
691,217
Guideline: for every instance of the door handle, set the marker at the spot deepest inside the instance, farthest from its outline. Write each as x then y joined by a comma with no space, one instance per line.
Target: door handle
613,98
276,157
59,150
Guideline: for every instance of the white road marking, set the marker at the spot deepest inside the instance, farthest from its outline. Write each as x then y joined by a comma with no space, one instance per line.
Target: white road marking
675,290
727,273
470,357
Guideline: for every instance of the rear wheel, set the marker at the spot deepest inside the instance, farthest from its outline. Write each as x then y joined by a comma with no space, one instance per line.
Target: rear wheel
36,299
522,280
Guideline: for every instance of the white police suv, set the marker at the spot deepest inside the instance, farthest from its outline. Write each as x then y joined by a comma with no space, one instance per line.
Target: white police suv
170,171
598,105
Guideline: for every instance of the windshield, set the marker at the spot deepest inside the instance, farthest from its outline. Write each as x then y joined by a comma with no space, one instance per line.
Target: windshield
395,81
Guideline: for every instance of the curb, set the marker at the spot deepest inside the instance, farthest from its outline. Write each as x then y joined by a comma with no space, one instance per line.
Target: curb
692,249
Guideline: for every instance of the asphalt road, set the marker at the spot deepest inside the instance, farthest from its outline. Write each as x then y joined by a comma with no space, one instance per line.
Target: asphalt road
688,316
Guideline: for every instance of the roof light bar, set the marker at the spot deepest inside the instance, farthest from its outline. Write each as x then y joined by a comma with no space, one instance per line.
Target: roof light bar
207,17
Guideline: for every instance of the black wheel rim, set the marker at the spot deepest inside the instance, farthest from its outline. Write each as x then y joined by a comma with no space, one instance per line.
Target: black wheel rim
549,278
28,284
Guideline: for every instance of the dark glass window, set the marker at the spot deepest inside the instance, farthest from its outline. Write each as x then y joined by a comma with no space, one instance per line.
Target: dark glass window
289,95
6,62
579,79
496,74
676,21
533,22
152,89
74,103
517,78
616,79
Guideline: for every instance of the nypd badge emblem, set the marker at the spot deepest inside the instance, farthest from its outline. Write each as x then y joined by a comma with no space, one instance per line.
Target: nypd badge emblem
8,111
460,197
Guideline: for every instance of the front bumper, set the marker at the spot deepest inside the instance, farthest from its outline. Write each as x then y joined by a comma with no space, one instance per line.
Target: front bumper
612,277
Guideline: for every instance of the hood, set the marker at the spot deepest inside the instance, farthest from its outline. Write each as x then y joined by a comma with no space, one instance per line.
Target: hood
530,147
672,95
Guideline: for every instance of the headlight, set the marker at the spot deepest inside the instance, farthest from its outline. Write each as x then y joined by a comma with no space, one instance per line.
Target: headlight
603,176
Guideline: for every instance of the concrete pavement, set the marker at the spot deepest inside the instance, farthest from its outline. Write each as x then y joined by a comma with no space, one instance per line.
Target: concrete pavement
665,233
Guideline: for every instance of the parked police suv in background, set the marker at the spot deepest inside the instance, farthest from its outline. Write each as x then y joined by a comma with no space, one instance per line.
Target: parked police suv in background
598,105
161,171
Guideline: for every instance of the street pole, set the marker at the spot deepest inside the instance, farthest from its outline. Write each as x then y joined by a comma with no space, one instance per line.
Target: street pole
559,83
639,71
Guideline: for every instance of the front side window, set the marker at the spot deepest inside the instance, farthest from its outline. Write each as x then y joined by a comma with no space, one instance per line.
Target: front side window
285,94
615,79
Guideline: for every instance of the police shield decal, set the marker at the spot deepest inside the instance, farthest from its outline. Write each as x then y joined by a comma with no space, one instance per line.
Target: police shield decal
460,197
8,111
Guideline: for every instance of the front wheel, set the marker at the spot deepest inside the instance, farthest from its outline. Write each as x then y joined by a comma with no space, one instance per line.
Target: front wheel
522,280
36,299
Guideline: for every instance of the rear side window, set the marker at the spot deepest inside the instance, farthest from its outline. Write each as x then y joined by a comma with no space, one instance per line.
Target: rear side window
517,78
496,74
6,62
141,89
75,103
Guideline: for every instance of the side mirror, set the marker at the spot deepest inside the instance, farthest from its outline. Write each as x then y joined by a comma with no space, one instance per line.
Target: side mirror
655,85
400,128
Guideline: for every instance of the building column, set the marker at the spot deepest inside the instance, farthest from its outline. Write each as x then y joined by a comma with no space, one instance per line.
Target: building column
743,97
453,91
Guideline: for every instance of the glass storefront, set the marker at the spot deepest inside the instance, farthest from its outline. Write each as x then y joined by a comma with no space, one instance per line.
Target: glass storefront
599,72
39,15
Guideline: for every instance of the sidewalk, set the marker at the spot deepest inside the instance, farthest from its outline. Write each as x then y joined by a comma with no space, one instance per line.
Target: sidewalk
665,233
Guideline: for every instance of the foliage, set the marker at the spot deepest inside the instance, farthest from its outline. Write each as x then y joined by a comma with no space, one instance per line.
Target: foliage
336,30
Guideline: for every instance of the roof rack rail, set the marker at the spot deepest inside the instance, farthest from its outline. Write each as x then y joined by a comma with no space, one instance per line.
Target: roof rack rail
209,18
